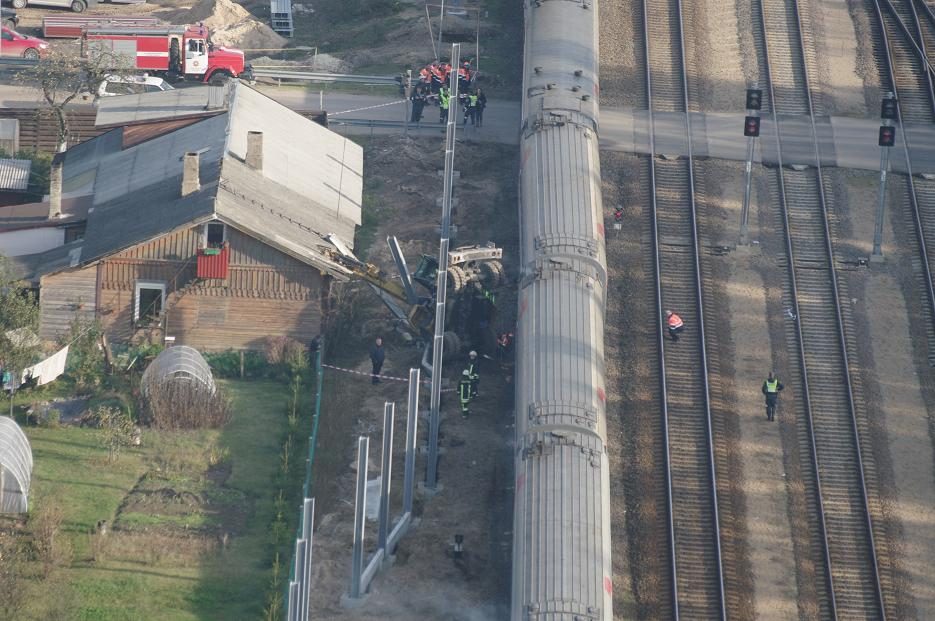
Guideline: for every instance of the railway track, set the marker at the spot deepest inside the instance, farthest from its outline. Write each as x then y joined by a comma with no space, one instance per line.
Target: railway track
842,541
916,103
901,40
696,574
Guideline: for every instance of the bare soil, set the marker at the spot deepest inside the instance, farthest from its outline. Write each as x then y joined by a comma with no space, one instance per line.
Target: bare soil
425,582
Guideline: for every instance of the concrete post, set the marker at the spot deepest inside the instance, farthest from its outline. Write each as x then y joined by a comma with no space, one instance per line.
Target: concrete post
55,188
308,524
412,423
386,474
357,558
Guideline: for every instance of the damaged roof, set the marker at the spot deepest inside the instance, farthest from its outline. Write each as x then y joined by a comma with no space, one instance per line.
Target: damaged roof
310,185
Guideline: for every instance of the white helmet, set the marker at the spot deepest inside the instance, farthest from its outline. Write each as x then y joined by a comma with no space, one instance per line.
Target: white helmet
466,373
473,354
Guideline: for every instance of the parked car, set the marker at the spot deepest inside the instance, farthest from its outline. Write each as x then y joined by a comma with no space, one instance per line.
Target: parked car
114,85
9,18
16,44
78,6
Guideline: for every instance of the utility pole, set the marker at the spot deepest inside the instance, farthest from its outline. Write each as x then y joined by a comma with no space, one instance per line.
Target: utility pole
887,138
441,281
751,129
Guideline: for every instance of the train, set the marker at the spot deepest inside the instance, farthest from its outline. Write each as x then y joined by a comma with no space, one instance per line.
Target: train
561,520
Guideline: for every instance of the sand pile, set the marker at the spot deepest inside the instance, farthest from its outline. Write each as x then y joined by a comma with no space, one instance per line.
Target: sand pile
318,62
230,24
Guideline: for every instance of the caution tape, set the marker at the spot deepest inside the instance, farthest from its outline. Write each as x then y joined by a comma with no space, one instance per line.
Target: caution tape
386,377
383,105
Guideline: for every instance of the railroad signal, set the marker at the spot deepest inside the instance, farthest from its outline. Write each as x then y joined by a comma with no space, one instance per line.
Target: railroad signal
751,126
887,136
754,99
888,109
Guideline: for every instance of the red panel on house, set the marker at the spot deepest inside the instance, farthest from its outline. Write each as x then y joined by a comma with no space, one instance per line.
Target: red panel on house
213,262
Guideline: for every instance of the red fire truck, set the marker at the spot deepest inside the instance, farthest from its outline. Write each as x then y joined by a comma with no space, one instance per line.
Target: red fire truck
174,51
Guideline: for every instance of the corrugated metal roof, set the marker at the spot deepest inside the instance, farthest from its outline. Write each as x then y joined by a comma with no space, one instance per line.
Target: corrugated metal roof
14,174
143,107
312,161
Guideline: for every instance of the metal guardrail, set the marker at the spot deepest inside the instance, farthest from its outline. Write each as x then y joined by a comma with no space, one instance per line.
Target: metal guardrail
314,76
17,62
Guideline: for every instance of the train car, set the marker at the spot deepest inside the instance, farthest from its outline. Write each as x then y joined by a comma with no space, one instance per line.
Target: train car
561,534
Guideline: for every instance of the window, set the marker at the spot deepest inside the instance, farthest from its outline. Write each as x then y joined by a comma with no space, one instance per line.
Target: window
7,36
215,233
149,300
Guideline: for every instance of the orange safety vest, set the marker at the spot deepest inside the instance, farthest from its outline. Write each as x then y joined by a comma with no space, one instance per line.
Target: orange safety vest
675,321
425,74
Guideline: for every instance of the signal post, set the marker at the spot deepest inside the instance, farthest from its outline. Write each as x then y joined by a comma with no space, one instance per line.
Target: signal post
886,139
751,129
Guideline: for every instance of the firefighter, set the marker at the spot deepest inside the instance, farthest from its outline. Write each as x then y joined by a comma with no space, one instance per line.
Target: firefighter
438,76
444,100
425,76
771,388
618,215
473,370
504,342
675,325
464,76
464,393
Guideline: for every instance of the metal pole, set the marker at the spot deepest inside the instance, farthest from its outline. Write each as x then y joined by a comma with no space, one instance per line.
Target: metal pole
293,595
386,473
441,21
878,226
2,485
745,211
412,422
308,526
321,100
357,562
301,547
441,281
408,95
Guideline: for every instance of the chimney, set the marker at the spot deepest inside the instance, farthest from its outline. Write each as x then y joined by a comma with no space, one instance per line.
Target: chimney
217,96
255,150
191,177
55,188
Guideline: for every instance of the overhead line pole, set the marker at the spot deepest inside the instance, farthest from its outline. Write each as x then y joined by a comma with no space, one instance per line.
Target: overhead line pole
441,281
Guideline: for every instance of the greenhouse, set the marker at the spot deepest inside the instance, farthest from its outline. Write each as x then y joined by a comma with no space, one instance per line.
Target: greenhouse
179,365
15,467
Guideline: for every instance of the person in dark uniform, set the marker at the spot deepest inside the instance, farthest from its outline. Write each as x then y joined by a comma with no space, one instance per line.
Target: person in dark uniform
479,107
473,369
377,356
418,104
771,388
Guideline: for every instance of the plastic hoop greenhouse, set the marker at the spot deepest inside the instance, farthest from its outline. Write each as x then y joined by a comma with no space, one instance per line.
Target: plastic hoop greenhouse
178,364
15,467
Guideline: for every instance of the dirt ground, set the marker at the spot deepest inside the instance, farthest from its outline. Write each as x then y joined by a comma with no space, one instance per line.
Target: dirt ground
476,468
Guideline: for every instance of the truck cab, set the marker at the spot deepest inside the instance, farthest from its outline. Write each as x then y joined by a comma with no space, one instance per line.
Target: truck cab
202,58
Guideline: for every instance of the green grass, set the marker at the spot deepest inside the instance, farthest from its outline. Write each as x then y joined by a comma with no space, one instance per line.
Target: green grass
160,565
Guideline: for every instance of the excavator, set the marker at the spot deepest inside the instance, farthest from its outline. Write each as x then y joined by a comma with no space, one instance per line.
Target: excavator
473,272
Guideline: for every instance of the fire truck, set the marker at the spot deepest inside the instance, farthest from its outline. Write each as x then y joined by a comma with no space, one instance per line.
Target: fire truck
172,51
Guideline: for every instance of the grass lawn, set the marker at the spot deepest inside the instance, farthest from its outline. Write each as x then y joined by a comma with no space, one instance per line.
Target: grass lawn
169,502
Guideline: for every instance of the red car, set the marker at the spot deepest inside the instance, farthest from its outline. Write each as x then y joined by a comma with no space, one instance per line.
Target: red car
13,43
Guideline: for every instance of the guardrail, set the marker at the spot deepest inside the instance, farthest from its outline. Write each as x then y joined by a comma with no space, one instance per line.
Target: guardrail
313,76
17,62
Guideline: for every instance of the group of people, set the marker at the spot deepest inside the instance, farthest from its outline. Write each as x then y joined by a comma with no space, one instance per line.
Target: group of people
433,86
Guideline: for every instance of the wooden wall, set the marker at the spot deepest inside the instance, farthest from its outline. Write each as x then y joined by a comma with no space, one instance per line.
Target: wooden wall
64,296
267,293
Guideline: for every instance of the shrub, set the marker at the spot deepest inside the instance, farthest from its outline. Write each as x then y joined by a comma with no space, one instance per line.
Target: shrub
119,430
85,356
226,364
185,405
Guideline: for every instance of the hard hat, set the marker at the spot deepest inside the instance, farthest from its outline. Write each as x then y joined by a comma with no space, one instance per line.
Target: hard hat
466,373
473,354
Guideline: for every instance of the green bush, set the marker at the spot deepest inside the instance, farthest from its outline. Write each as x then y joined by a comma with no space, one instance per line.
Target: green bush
226,364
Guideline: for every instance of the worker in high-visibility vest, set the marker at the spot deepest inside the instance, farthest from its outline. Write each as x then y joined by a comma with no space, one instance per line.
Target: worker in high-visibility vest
444,99
770,389
473,369
675,325
464,393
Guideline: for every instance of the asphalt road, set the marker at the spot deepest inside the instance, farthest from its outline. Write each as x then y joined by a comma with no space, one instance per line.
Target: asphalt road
844,141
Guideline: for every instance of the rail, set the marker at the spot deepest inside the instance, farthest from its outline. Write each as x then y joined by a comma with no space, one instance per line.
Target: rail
671,419
916,113
317,76
842,470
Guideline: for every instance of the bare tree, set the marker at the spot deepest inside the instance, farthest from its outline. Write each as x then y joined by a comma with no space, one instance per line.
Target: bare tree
62,75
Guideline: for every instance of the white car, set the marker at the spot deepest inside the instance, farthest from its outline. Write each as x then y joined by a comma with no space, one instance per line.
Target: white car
114,85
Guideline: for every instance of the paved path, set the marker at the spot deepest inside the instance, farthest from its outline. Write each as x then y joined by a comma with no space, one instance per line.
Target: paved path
844,142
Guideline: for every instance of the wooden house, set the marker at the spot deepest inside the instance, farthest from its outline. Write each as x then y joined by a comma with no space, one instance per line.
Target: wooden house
212,232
